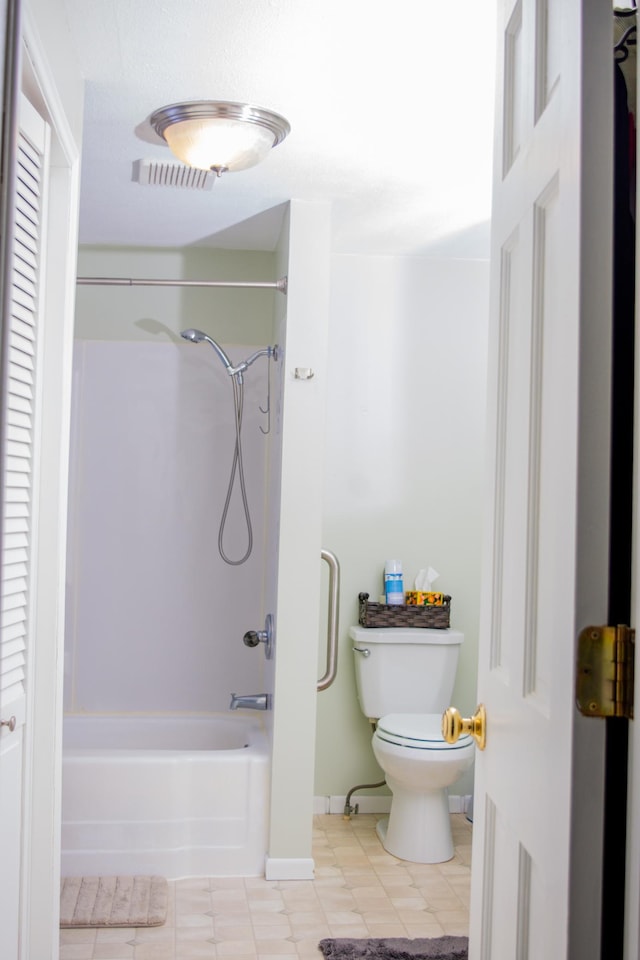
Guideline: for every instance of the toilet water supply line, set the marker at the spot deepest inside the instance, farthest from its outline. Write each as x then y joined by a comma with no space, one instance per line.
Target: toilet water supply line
348,809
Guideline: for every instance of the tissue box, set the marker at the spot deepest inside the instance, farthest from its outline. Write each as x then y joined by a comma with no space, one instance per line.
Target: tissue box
422,598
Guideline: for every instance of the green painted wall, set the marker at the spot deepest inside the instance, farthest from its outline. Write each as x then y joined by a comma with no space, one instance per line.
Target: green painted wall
404,465
241,316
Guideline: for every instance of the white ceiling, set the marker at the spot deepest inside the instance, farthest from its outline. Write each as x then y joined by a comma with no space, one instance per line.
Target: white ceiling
390,105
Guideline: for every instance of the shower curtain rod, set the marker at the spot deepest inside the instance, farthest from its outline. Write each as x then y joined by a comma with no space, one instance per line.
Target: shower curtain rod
280,285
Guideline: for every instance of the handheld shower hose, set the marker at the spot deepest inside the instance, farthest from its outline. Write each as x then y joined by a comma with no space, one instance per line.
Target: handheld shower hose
237,465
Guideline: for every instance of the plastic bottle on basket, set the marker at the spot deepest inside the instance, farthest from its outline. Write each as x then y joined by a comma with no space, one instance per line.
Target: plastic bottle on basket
393,585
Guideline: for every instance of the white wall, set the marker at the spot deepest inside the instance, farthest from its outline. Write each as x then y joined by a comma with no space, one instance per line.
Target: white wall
403,467
304,253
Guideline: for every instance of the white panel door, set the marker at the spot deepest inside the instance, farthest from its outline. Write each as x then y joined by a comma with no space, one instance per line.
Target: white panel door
545,567
19,405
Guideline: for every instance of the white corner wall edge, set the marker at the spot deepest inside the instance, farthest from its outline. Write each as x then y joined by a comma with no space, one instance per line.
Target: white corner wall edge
369,803
289,868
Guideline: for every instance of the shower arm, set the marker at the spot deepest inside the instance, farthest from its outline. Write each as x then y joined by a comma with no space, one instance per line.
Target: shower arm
239,370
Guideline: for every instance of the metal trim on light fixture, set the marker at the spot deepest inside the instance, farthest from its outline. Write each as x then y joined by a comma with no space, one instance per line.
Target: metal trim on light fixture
219,135
219,109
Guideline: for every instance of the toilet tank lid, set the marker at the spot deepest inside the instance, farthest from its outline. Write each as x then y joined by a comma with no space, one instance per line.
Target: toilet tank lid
405,635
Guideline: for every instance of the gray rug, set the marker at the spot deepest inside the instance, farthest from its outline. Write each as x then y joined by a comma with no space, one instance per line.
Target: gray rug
113,901
396,948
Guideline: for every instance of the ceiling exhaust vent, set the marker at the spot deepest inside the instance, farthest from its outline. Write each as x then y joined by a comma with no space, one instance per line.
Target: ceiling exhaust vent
151,173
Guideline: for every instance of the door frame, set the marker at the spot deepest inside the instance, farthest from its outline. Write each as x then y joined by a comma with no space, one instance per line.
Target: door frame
632,880
596,285
43,730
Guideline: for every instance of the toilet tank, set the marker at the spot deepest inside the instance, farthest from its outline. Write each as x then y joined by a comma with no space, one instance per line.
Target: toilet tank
404,670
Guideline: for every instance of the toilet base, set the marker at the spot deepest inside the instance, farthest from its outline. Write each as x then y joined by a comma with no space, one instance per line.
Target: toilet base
418,827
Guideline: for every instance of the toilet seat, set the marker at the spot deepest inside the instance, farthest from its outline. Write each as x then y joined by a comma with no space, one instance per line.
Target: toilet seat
417,731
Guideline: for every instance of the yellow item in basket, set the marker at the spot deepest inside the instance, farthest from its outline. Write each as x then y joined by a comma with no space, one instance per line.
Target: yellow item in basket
422,598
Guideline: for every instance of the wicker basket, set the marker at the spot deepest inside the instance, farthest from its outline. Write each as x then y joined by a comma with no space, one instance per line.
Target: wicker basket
403,615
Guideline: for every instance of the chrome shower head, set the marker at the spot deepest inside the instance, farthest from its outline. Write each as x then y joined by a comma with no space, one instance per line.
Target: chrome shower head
197,336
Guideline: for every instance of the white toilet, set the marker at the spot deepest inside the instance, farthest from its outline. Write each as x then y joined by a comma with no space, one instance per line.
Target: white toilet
405,678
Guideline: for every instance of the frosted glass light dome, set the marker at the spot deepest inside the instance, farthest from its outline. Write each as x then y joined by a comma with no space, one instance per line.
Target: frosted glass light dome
219,135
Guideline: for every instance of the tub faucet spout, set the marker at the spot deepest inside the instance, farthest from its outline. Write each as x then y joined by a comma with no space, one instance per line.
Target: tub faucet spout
251,701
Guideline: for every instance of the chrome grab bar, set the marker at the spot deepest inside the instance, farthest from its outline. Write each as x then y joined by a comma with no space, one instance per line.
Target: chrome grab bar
332,627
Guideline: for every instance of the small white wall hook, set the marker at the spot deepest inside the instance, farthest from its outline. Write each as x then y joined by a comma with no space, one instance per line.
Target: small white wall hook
303,373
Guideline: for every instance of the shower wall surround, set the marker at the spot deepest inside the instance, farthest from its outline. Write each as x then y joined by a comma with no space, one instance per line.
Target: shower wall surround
155,617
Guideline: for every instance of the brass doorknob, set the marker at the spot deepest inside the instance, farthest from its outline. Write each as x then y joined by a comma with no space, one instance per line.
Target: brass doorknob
453,725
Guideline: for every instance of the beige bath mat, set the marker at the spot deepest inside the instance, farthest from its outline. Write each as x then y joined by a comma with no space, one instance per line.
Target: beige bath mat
113,901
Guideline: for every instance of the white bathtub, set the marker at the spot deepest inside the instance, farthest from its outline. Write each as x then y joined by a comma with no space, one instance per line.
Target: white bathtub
175,796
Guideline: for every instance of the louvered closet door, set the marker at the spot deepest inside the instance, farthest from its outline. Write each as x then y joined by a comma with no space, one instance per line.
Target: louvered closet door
20,409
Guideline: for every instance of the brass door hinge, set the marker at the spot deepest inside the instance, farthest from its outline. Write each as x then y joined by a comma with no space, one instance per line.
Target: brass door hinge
604,676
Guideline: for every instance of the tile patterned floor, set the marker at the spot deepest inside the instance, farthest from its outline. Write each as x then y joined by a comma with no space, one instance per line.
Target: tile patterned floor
359,891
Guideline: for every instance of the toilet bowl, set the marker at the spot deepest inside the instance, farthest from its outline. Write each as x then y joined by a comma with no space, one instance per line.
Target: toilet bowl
404,680
419,766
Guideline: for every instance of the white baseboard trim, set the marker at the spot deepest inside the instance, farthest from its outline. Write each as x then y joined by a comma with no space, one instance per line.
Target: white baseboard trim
288,868
461,804
369,803
366,804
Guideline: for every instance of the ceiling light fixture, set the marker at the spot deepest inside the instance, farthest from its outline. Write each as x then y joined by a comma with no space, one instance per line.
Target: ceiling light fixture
219,135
